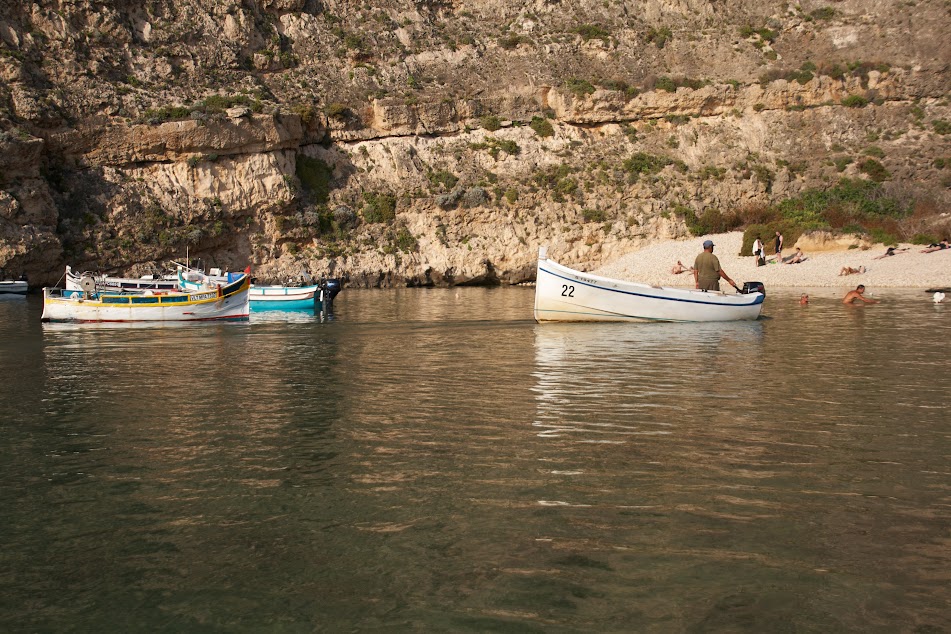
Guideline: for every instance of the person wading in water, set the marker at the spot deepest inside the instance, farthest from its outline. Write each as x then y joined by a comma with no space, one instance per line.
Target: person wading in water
707,271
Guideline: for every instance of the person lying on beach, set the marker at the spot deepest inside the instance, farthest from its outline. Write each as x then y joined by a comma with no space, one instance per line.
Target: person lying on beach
937,246
796,257
851,296
680,268
848,270
888,252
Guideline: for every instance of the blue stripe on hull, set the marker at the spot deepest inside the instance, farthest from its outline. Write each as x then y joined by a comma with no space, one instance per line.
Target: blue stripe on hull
298,304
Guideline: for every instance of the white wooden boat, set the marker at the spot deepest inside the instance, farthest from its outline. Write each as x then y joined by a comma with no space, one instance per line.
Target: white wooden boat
93,305
14,287
563,294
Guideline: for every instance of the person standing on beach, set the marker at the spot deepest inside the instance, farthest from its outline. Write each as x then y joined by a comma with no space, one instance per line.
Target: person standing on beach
707,271
851,296
779,246
758,252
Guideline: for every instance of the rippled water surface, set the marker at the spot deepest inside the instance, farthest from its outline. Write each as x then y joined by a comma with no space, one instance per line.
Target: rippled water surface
433,460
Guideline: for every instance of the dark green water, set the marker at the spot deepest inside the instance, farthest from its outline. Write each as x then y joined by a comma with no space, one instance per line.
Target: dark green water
433,460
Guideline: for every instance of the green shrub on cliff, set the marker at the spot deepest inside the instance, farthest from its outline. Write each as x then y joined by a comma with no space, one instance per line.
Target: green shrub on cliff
594,215
443,179
168,113
490,122
542,127
875,170
315,176
941,126
658,37
710,220
494,146
579,87
220,103
642,163
592,31
379,207
852,205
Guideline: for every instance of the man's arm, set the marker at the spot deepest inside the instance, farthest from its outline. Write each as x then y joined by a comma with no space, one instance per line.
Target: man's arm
696,276
727,278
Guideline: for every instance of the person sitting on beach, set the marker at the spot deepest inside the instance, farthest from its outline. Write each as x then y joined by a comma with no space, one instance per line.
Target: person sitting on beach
937,246
680,268
889,252
851,296
848,270
796,257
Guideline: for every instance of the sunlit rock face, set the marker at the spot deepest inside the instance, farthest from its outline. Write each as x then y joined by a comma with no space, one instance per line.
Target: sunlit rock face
409,143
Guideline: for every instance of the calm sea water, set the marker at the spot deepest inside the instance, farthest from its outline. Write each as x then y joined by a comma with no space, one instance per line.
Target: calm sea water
433,460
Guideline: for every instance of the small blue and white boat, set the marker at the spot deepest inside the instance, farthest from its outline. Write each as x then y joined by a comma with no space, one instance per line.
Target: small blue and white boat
286,297
312,297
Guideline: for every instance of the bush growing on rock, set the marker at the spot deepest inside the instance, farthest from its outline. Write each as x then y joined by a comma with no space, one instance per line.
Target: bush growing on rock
658,37
542,127
642,163
594,215
941,126
490,122
841,162
475,197
710,220
579,87
379,207
336,110
443,179
494,146
592,31
875,170
315,176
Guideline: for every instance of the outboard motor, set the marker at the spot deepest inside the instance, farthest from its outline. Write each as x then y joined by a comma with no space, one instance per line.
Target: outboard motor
331,287
753,287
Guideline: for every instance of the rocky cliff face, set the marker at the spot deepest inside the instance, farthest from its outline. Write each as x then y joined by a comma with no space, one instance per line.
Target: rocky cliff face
442,142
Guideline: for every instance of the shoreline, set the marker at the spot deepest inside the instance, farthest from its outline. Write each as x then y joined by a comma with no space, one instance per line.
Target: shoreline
909,269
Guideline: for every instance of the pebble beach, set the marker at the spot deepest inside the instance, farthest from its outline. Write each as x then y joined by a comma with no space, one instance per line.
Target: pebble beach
907,269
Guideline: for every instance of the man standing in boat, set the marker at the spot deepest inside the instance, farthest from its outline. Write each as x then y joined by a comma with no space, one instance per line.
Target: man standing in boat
707,271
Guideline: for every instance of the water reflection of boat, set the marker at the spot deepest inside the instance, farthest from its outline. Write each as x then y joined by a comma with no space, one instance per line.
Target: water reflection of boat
609,382
563,294
291,316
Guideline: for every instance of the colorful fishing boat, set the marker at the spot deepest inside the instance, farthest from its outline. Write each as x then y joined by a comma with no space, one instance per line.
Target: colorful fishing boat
563,294
312,297
92,304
